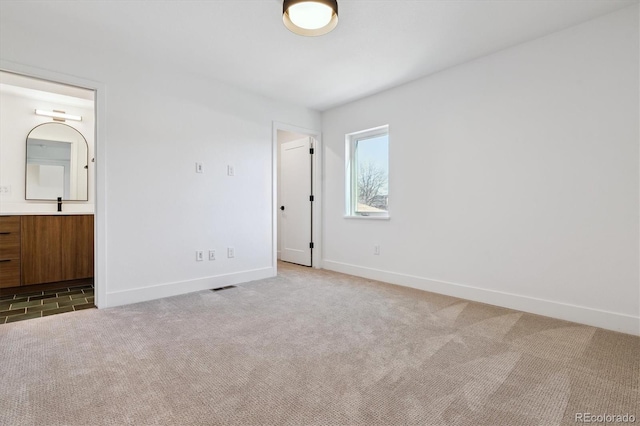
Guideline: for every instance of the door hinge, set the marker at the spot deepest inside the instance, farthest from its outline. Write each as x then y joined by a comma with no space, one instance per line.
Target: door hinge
310,245
311,151
311,198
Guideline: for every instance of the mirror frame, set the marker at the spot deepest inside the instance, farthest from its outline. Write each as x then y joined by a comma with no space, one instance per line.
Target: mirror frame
26,163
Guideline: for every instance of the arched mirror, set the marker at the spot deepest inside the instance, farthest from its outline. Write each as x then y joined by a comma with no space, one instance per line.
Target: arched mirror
57,163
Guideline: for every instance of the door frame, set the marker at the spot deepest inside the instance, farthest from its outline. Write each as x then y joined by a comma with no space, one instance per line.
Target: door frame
316,182
100,224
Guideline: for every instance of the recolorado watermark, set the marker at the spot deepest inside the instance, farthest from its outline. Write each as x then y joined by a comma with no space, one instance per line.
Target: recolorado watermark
605,418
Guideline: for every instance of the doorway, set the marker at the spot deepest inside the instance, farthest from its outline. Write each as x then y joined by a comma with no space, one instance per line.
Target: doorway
297,197
47,279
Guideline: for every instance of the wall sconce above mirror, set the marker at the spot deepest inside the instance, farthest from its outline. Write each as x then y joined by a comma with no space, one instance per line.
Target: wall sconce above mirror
57,163
58,115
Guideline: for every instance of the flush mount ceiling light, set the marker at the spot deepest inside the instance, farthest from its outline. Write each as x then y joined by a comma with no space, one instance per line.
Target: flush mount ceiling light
310,18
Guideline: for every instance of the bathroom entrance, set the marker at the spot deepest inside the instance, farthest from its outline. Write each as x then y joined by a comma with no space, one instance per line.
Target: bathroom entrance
47,197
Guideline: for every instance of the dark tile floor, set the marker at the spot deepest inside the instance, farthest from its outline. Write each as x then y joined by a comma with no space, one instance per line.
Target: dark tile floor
35,304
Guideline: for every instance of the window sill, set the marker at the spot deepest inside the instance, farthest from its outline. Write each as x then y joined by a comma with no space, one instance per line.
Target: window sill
368,217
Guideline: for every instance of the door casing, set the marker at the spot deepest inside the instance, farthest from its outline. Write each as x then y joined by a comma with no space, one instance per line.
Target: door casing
316,207
100,225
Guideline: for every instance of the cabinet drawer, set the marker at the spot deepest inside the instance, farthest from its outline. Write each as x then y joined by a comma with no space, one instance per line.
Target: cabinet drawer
10,224
9,245
9,273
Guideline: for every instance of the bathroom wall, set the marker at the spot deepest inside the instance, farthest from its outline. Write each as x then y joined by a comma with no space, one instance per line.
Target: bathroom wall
18,118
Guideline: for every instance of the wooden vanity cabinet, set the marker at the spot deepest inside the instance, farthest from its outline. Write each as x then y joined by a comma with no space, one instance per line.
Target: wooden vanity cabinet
41,249
9,251
77,247
56,248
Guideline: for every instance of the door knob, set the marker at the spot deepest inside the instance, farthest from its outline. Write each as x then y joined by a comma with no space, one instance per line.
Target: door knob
281,207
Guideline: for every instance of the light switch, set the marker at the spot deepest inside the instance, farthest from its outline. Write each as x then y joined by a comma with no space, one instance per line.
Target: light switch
199,168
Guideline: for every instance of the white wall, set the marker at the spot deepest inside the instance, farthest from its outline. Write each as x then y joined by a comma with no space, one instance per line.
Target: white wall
513,178
158,122
18,119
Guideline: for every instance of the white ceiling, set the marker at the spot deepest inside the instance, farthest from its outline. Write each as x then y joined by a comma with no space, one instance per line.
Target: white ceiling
41,90
377,45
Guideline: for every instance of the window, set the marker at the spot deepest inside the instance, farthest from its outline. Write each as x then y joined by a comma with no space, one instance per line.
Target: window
367,173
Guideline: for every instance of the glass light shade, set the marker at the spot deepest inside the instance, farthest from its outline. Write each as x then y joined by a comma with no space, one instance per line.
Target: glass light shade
310,17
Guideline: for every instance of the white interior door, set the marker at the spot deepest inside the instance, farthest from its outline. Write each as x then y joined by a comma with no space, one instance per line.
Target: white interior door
295,201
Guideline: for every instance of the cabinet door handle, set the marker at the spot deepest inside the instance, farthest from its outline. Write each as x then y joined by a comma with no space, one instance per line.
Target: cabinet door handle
5,260
5,233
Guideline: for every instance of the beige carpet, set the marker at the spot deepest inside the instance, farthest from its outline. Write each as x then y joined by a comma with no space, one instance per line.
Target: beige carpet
312,348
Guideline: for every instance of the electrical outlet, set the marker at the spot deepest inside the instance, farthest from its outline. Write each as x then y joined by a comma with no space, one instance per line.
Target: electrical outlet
199,256
6,189
231,252
199,168
212,255
376,250
231,171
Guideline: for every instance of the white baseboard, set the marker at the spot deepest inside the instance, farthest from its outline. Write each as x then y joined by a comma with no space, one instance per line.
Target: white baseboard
579,314
144,294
